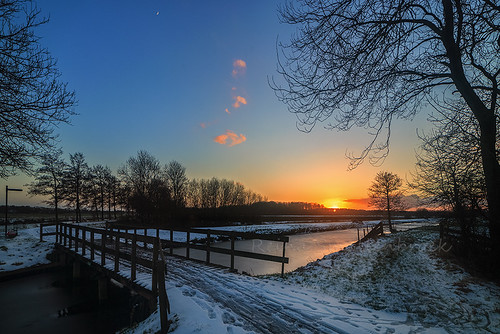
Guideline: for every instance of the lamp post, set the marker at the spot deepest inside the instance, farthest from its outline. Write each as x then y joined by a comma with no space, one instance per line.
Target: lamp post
7,205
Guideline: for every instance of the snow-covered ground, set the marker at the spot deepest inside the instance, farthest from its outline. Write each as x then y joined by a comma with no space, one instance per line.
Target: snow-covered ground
395,284
23,251
403,273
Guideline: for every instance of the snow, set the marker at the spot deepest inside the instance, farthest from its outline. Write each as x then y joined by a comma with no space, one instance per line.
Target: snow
402,272
24,251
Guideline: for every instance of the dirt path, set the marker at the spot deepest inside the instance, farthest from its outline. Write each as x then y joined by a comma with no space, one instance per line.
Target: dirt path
271,307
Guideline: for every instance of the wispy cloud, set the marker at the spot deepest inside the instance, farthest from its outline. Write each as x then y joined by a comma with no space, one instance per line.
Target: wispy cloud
230,138
227,110
239,100
239,67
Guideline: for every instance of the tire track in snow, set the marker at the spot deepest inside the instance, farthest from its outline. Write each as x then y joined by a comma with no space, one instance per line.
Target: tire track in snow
260,308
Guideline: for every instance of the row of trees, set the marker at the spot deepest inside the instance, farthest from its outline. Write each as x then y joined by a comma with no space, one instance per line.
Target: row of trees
141,186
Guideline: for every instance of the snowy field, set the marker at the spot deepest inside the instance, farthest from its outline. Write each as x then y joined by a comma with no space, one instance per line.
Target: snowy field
402,273
395,284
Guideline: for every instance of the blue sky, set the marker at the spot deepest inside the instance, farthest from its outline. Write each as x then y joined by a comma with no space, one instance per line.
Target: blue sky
158,76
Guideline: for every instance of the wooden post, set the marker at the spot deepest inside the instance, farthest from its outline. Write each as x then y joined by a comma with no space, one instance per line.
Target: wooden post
145,234
77,230
158,233
70,237
65,235
283,261
84,235
232,252
41,232
162,296
103,248
133,257
117,252
358,234
187,244
171,241
208,248
92,247
154,281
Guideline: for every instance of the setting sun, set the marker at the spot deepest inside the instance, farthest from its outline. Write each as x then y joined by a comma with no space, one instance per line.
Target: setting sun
334,203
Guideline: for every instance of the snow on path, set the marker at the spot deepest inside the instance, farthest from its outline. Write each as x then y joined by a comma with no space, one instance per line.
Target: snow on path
251,304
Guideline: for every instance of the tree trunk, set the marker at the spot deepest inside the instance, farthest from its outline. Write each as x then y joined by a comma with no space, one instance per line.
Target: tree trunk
486,119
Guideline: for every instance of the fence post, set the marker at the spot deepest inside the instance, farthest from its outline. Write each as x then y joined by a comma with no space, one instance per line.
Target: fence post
117,252
103,247
283,261
92,245
187,244
65,235
41,232
70,236
154,278
133,257
145,234
208,248
84,235
76,238
162,295
232,252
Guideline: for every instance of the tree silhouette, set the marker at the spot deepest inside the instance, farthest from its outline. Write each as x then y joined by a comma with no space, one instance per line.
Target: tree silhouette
74,182
449,168
32,99
48,179
365,62
385,193
177,182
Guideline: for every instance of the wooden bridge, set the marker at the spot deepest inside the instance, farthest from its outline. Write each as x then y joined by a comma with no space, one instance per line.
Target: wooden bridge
137,260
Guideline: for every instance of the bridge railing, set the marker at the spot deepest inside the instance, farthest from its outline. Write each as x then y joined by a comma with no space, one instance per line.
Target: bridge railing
100,245
204,241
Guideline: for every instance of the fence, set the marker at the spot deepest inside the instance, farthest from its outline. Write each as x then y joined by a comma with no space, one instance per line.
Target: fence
207,244
374,232
472,243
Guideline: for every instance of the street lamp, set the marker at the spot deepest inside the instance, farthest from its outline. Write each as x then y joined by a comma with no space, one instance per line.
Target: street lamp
7,205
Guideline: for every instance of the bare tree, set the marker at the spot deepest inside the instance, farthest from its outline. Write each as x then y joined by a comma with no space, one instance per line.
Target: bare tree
385,193
143,176
177,182
449,170
366,62
48,179
101,177
193,194
32,99
74,180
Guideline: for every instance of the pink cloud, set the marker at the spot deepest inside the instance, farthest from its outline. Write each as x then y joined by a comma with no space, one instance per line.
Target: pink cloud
239,101
239,67
227,110
203,125
230,138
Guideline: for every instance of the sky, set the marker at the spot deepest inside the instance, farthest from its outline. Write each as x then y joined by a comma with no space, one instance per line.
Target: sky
188,81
